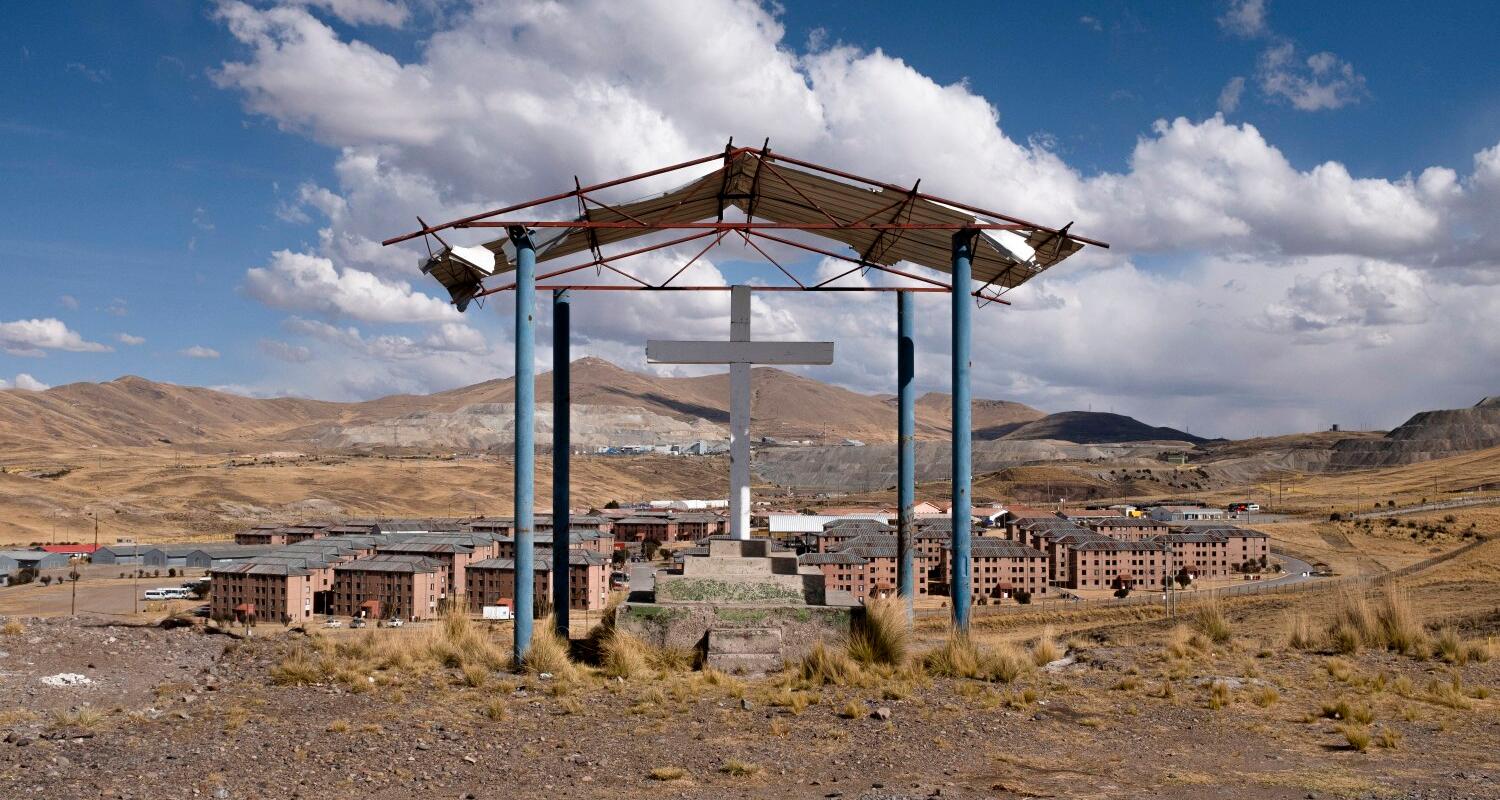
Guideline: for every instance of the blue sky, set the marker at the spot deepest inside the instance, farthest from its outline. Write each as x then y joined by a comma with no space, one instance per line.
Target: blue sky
156,152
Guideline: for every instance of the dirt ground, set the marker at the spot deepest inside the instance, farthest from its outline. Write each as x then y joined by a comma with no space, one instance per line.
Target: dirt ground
182,713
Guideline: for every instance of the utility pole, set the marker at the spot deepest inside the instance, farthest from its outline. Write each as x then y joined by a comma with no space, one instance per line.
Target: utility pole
73,576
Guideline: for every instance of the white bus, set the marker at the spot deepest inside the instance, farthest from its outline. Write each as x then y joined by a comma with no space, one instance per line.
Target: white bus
168,593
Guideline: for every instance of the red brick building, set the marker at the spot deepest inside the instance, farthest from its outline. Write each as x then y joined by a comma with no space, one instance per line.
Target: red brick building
1132,529
1203,554
1111,563
493,581
998,568
646,529
395,585
262,593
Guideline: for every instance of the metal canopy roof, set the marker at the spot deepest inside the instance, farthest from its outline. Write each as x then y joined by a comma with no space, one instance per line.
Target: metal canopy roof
881,224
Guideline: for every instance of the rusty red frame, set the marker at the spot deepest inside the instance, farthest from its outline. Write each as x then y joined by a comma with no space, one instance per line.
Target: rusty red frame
581,195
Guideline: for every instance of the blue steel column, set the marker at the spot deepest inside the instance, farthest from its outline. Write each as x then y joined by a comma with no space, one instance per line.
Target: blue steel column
906,473
525,472
963,252
562,442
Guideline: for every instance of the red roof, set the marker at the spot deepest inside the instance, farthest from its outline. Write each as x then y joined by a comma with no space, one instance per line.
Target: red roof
69,548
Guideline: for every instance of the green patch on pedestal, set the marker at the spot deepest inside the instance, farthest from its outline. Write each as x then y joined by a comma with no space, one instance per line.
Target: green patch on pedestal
707,590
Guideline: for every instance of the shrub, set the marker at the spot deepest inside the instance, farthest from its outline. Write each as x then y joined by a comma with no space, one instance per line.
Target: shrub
495,709
1022,597
339,726
1389,738
12,627
881,635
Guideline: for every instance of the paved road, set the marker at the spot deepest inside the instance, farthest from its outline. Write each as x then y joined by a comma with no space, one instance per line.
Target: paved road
642,577
1446,504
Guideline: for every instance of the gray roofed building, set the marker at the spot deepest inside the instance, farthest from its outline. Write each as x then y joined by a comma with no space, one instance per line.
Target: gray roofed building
819,559
36,559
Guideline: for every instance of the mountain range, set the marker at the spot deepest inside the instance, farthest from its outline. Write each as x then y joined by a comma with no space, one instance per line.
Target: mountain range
134,411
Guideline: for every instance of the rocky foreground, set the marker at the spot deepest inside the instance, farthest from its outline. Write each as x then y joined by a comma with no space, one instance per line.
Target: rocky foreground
1140,711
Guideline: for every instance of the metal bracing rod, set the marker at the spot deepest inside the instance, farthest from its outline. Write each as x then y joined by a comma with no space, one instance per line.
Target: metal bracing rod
562,448
525,458
599,262
695,258
561,196
905,452
766,164
721,226
767,256
850,259
595,287
960,591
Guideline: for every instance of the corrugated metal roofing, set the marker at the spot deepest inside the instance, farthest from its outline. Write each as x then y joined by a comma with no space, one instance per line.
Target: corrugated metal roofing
789,195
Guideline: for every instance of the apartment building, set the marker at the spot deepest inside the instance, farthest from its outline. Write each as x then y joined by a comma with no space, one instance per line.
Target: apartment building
390,585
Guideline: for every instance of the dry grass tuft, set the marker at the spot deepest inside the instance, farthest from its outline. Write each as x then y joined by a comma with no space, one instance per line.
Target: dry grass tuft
1299,634
1358,736
1265,696
622,655
1045,649
854,709
668,773
1448,693
339,726
1006,663
495,709
297,669
1211,622
476,675
1346,711
81,717
1354,624
957,657
1220,695
1389,738
882,635
739,769
824,665
1401,628
548,652
12,627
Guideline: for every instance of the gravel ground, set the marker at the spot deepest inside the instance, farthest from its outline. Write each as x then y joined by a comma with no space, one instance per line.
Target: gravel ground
185,714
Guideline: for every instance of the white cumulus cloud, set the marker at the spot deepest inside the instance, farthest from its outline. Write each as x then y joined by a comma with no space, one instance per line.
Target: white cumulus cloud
32,337
199,351
304,282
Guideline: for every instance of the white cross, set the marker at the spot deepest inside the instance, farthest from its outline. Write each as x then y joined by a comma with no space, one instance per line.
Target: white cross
739,353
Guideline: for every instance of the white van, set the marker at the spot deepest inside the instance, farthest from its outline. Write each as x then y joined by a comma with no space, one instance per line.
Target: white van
158,594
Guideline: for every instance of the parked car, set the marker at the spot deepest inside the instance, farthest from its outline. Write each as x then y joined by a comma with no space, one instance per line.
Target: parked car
201,611
357,622
395,622
332,623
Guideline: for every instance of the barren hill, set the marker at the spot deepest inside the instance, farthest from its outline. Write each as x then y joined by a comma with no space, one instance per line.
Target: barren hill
1426,436
611,405
1087,427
